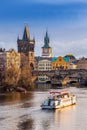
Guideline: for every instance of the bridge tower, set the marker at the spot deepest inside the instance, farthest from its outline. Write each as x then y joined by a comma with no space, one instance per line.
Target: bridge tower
26,46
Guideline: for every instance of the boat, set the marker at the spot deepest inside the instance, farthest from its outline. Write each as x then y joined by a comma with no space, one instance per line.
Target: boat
20,89
59,99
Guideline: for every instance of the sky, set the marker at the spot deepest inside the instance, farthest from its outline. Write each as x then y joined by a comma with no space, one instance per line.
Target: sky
65,20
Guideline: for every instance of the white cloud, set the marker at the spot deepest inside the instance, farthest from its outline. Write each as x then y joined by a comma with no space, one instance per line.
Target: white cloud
78,48
7,45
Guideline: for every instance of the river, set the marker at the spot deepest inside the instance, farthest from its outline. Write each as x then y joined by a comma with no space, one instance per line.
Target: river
20,111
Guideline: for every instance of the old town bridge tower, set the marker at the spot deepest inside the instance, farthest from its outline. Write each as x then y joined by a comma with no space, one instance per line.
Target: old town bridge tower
26,46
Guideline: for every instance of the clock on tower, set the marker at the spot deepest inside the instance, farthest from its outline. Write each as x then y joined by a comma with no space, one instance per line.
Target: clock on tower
46,49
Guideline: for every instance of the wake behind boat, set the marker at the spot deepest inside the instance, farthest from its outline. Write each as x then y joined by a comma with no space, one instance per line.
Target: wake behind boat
59,99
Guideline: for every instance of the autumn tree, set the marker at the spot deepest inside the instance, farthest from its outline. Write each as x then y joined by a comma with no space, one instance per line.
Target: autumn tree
12,76
25,74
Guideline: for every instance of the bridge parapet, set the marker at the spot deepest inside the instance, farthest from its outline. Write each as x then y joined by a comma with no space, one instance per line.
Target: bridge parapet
60,72
65,75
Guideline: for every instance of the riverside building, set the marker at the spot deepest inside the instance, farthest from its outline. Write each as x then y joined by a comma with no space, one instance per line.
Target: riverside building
44,65
9,59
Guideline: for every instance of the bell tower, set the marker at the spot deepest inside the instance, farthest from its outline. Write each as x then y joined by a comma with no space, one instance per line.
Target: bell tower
46,49
26,46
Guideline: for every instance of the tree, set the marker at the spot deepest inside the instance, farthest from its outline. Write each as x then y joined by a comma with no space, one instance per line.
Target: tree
25,78
12,76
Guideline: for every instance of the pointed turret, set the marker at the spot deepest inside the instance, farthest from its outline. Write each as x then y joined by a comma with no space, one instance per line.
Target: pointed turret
46,49
26,35
46,40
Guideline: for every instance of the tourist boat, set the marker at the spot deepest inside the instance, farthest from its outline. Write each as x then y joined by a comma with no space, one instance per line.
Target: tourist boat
59,99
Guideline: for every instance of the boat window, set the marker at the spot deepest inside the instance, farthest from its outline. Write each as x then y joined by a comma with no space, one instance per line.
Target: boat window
58,96
65,96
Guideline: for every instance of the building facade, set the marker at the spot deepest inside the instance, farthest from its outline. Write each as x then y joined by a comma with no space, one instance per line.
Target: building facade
82,63
26,46
10,58
44,65
70,58
59,63
72,66
46,49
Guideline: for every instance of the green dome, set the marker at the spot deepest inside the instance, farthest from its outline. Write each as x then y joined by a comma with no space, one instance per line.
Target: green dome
54,59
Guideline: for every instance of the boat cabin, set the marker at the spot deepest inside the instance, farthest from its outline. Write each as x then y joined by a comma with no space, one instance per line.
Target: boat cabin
62,94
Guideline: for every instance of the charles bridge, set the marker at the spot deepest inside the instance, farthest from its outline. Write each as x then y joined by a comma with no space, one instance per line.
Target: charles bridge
65,75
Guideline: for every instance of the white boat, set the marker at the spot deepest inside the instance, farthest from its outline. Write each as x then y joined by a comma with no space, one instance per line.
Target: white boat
59,99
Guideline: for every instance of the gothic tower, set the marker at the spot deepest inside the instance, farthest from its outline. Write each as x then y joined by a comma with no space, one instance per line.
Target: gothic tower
46,49
26,46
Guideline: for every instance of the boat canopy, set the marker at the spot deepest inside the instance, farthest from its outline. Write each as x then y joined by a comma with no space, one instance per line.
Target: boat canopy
59,92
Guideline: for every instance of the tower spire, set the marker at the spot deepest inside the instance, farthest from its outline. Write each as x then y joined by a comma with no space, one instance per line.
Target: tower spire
46,39
46,49
26,35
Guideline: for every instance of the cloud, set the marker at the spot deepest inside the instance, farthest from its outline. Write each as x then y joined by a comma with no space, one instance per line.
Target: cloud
77,48
7,45
59,48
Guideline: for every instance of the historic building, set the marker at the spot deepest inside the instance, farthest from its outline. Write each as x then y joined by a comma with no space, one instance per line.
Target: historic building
46,52
72,66
70,58
59,63
44,65
46,49
82,63
9,59
26,46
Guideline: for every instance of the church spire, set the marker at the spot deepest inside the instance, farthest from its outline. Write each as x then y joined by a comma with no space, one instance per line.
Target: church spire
26,35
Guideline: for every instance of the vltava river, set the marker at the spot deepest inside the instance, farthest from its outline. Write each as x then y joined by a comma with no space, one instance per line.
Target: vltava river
20,111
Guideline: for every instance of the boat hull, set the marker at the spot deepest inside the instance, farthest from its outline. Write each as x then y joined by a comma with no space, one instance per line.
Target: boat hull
57,107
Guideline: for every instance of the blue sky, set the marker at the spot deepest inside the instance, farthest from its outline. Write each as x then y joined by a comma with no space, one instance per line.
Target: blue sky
65,20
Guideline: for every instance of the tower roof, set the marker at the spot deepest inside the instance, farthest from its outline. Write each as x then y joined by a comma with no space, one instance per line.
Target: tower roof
26,35
46,41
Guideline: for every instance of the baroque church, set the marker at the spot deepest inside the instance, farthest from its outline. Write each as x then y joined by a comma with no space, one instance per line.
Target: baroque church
26,46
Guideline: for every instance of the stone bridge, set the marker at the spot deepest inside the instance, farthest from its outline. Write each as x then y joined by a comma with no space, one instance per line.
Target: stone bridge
66,75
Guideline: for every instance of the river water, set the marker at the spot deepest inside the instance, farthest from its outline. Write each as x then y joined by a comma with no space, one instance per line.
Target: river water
20,111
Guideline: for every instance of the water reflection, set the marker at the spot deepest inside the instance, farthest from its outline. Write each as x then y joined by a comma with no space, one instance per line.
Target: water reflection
15,97
43,87
26,125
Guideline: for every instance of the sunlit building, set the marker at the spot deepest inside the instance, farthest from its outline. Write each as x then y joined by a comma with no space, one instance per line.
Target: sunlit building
82,63
44,65
70,58
59,63
10,58
72,66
